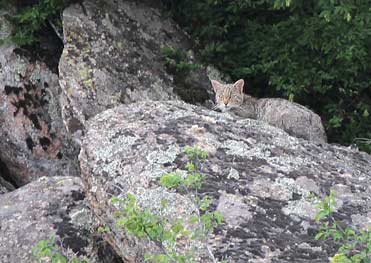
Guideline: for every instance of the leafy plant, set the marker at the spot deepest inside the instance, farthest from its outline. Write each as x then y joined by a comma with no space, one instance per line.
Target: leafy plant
103,229
177,60
167,233
46,251
29,20
354,245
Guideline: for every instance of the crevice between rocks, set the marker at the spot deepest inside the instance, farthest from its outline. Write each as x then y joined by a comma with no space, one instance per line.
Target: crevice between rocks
48,49
6,175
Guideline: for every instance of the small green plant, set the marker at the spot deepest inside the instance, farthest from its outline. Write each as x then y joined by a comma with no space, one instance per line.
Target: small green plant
167,233
177,60
103,229
46,251
354,246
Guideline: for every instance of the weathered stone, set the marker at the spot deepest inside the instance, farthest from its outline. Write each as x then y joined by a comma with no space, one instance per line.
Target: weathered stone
34,142
40,210
258,176
45,209
112,55
5,25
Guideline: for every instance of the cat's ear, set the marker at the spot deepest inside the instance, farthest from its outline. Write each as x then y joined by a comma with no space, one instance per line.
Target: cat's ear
239,85
216,85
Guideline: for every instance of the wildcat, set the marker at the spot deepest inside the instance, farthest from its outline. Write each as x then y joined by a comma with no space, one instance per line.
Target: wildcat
293,118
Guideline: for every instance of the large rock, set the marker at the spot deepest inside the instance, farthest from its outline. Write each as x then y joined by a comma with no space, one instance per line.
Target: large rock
112,55
40,210
34,142
260,178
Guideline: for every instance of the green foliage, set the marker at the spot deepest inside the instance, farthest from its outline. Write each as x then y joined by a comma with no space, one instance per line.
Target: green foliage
46,251
103,229
195,152
326,207
167,233
145,223
177,60
354,246
29,20
315,52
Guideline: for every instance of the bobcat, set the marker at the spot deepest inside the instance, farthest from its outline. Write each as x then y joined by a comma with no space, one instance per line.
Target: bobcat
293,118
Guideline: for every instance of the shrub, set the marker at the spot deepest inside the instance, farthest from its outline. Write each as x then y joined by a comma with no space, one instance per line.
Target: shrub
30,19
354,246
177,60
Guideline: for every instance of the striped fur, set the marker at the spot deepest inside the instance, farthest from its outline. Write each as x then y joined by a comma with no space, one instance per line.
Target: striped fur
228,96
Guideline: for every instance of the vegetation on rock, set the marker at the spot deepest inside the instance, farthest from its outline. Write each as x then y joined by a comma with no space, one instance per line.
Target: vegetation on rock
31,17
354,245
170,235
46,251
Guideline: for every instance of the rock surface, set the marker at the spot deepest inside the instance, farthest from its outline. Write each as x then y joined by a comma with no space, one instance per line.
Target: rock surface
34,142
40,210
260,178
112,55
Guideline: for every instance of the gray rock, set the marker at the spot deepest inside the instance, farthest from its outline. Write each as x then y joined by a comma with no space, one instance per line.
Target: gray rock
34,142
45,208
5,26
112,55
258,176
7,10
214,73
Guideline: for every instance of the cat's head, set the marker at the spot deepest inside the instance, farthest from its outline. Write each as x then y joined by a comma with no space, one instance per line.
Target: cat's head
228,96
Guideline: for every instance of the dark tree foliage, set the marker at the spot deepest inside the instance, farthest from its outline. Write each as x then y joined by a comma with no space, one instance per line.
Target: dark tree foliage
31,17
314,52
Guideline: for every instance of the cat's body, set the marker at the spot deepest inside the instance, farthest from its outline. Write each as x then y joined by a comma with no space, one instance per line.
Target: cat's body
293,118
248,109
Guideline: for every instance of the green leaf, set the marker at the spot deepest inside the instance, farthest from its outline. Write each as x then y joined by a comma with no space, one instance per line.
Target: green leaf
171,180
115,199
190,167
319,236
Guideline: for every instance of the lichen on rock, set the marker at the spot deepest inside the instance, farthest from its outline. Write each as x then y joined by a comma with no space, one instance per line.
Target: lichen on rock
261,179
